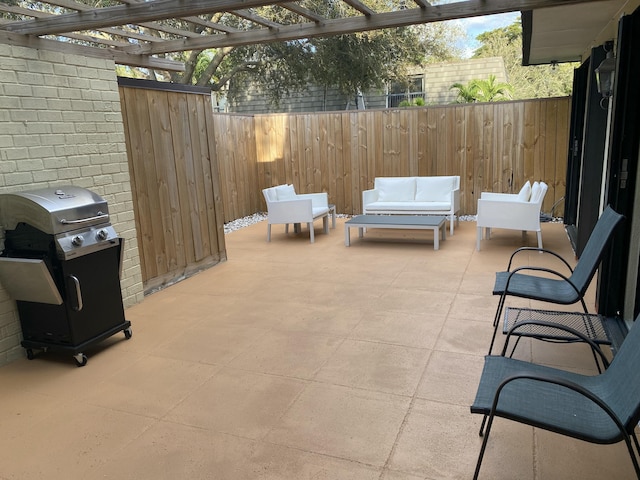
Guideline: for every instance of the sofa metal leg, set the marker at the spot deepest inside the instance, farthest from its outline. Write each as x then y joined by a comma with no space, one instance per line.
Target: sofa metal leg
311,231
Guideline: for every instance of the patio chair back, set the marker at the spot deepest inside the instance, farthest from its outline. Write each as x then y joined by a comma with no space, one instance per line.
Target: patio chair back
594,249
621,381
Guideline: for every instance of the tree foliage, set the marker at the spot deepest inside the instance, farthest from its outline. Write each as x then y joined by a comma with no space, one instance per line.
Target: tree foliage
539,81
483,90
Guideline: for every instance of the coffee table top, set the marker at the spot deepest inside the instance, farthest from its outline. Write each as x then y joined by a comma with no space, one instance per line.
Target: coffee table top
422,220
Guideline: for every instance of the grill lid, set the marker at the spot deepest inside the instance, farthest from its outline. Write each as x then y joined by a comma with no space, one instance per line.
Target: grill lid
53,210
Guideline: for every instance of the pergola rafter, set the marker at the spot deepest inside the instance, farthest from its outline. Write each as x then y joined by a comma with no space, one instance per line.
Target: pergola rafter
145,31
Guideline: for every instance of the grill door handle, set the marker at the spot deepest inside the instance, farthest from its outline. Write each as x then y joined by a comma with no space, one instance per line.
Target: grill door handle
78,292
102,216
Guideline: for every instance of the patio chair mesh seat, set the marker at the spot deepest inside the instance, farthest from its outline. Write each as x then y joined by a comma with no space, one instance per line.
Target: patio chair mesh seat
601,409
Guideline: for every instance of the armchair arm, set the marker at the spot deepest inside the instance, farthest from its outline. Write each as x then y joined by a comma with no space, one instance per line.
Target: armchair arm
318,200
455,200
514,215
510,197
369,196
290,211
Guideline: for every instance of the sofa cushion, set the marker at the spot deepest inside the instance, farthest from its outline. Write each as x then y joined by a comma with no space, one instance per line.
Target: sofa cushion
525,192
396,189
536,189
434,189
285,192
391,207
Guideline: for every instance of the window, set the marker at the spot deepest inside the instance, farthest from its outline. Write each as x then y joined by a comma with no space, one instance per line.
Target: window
400,91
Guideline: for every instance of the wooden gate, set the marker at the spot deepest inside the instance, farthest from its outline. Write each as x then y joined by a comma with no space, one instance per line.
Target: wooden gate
174,179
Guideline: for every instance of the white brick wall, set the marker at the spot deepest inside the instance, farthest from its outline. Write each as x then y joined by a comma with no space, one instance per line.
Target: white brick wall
60,123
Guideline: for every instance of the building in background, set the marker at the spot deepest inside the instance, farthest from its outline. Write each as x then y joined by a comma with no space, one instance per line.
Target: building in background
432,83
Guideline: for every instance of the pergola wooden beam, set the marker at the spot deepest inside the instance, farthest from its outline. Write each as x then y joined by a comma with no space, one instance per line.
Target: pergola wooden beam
127,14
451,11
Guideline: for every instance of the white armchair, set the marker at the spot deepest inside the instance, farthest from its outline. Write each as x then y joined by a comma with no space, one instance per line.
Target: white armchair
284,206
519,211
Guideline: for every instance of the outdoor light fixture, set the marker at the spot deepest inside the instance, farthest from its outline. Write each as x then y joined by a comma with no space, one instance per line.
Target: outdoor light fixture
606,71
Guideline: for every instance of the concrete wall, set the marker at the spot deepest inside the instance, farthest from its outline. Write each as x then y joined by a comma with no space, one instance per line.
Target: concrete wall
60,123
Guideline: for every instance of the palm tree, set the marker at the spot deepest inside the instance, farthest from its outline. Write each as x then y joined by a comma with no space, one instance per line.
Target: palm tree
466,93
490,91
483,91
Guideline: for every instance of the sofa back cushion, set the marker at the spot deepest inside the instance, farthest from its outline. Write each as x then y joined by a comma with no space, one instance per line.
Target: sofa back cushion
435,189
525,192
396,189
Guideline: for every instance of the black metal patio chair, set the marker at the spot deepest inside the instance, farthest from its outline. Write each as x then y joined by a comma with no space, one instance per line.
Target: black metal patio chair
558,288
601,409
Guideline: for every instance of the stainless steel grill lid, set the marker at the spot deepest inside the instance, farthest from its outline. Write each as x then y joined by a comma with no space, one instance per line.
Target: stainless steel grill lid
53,210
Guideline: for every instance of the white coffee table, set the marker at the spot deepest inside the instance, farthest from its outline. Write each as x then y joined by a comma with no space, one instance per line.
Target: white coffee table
402,222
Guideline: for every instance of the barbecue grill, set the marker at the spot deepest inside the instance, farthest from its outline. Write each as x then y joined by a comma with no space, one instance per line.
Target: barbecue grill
61,262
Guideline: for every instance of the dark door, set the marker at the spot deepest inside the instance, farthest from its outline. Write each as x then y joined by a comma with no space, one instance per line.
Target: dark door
623,165
576,138
593,153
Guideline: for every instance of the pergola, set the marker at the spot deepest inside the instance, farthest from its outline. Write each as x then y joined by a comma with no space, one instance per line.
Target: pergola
140,33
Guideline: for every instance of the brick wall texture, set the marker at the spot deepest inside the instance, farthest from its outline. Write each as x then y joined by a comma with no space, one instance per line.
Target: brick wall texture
60,123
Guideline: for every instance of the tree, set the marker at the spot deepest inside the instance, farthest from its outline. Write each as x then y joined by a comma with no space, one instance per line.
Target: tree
538,81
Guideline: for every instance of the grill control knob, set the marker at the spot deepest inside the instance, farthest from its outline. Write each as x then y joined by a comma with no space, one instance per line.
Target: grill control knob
102,234
77,240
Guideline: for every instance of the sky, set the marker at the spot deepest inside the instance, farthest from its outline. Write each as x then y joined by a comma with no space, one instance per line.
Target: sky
476,25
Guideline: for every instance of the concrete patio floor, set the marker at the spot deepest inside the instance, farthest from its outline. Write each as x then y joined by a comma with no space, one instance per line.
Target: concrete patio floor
298,361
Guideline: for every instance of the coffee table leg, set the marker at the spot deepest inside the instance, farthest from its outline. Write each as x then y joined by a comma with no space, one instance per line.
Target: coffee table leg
436,238
347,236
360,232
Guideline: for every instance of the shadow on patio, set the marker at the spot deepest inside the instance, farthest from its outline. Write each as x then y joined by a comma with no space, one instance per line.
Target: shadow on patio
298,361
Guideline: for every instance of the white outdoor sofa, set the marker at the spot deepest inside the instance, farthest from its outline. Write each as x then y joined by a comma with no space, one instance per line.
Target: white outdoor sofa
514,211
285,206
437,195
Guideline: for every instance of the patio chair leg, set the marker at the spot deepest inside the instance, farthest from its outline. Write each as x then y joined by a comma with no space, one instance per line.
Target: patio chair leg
634,459
484,421
496,321
478,238
539,239
483,447
311,231
451,225
268,232
325,224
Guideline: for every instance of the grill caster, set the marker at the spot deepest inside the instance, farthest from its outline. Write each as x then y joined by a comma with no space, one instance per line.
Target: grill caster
81,359
128,333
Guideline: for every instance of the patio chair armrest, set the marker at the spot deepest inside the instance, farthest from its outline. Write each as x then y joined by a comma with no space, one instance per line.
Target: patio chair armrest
538,269
594,346
562,382
541,250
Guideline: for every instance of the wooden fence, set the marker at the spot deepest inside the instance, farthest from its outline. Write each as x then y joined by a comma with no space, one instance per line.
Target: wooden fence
192,170
175,181
493,147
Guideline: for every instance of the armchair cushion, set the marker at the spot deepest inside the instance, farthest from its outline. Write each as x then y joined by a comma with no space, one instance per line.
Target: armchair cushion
525,192
285,192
